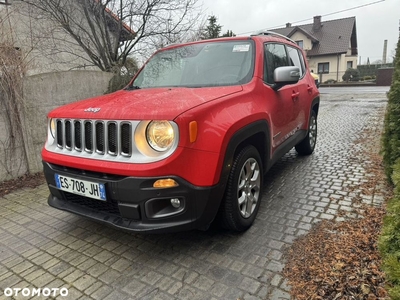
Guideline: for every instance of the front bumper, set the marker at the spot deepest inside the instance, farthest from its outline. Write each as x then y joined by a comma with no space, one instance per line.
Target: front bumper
134,204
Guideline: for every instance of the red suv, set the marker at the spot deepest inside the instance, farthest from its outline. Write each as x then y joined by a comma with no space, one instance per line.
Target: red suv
189,139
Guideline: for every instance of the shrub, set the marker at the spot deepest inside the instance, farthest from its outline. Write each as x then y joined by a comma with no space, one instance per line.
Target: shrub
351,75
389,241
118,82
123,75
391,136
367,78
330,81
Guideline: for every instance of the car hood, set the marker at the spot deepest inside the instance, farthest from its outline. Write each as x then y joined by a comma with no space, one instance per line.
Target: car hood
142,104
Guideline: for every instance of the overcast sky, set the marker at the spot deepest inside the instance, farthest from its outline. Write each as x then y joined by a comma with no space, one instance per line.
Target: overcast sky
375,23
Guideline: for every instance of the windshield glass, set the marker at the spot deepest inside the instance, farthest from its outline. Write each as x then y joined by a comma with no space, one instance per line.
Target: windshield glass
199,65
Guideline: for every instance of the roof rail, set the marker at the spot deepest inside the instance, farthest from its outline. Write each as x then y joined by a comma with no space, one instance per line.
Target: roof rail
275,34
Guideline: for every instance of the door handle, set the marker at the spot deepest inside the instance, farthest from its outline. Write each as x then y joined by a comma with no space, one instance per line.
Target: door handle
295,95
309,89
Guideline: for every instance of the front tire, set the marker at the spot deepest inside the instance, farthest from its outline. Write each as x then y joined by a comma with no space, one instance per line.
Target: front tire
243,192
307,145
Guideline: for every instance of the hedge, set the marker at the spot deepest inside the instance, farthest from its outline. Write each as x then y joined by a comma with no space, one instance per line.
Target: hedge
389,241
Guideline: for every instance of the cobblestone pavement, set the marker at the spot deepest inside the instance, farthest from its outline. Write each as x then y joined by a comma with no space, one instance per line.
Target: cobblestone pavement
43,247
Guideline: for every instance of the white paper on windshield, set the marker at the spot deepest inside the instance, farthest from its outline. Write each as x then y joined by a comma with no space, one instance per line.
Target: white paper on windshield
241,48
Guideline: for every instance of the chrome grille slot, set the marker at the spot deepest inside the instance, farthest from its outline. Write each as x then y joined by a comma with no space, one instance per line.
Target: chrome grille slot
126,149
78,135
100,137
112,138
68,135
60,134
88,136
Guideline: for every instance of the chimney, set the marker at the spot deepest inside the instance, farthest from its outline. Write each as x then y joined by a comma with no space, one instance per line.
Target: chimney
384,52
317,23
288,25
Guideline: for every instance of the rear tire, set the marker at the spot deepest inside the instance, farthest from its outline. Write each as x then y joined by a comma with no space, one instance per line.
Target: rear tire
307,145
243,192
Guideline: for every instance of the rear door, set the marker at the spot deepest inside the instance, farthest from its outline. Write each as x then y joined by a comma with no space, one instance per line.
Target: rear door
300,103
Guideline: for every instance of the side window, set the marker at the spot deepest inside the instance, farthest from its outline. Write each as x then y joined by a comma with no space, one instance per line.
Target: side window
296,59
275,56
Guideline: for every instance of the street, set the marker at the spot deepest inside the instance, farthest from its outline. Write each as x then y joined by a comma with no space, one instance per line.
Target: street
41,247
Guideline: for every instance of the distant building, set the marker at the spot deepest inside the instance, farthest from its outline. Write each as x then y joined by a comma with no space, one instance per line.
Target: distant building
330,46
44,43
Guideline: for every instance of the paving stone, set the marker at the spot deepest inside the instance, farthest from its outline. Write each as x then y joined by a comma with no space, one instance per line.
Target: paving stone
101,292
278,294
250,285
84,282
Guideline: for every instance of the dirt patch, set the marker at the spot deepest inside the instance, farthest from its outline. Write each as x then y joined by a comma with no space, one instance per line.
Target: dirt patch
27,180
340,259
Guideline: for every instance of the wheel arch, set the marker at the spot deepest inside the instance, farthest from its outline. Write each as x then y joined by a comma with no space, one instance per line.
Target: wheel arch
256,134
315,105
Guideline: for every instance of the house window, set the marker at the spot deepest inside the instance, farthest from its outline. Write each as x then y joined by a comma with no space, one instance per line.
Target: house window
349,65
300,44
323,68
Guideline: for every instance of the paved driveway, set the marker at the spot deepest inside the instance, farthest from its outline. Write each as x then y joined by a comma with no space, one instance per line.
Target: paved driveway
41,247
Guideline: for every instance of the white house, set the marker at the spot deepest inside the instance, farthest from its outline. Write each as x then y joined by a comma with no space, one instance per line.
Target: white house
330,46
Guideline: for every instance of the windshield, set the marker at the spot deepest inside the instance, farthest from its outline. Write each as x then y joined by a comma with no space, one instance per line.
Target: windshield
199,65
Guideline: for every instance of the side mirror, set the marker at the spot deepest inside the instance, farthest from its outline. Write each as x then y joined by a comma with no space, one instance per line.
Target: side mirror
286,75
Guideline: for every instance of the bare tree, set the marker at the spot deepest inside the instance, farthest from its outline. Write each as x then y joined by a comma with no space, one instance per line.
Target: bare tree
108,31
13,65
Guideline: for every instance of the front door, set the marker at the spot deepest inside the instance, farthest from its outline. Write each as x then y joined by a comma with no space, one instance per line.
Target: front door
280,103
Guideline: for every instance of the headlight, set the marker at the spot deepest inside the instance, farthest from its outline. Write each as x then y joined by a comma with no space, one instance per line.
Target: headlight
52,125
160,135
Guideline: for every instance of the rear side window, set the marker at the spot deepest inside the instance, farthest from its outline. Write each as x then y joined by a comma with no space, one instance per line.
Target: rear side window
275,56
296,59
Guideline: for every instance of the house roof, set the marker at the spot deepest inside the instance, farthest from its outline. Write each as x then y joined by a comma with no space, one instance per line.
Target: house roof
127,32
333,37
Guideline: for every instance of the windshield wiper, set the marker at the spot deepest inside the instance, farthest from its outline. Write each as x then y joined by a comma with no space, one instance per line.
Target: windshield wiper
132,87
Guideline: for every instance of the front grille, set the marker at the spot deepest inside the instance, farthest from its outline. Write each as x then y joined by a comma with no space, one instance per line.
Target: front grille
95,136
109,206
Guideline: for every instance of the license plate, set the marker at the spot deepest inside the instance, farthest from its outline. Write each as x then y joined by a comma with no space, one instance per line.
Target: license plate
81,187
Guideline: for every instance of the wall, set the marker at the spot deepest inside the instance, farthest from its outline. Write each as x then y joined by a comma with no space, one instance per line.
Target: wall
42,93
384,76
298,36
42,42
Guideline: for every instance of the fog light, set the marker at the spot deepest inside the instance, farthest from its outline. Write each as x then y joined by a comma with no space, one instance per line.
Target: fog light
176,202
165,183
